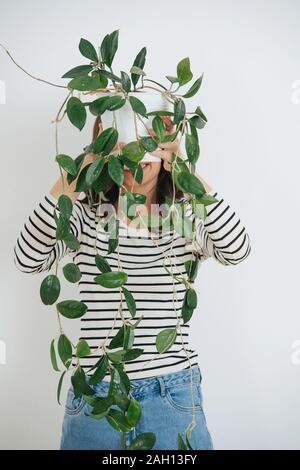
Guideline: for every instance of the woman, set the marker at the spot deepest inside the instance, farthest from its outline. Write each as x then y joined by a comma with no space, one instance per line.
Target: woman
160,382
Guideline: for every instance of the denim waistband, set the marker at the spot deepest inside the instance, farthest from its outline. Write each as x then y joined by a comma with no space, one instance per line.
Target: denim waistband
159,382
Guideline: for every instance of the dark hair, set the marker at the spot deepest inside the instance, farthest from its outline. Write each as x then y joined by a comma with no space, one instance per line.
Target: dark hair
164,180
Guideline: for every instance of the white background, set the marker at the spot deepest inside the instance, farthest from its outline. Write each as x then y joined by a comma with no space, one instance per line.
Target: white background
247,325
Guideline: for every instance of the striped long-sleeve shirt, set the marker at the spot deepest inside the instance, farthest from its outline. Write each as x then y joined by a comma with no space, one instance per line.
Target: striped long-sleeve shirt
158,297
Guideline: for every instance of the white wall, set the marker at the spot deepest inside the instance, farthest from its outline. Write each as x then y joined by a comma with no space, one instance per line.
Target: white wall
248,317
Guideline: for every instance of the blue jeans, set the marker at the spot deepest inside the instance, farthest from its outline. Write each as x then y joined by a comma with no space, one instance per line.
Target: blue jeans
166,411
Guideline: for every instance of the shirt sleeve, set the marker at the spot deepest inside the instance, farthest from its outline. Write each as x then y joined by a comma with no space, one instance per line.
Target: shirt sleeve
221,235
36,248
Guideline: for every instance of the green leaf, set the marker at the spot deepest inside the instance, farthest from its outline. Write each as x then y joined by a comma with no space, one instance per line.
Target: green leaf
138,175
65,350
138,106
139,62
192,148
103,181
91,400
194,88
165,339
82,348
160,113
134,412
191,267
129,337
81,185
98,106
114,382
109,47
72,308
132,354
87,50
62,227
102,264
94,171
129,301
67,163
78,161
76,112
102,405
118,340
179,111
181,444
121,401
106,141
184,73
111,280
144,441
78,71
116,356
201,114
186,311
172,79
148,143
53,356
106,74
59,386
71,241
103,81
100,371
65,205
124,379
50,289
196,121
115,170
189,183
85,83
191,298
137,70
113,241
187,437
115,102
118,420
126,82
125,355
79,383
133,151
159,128
206,199
72,272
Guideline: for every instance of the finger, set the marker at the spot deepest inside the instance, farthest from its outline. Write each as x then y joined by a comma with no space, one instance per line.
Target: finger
118,146
169,145
163,154
168,123
151,132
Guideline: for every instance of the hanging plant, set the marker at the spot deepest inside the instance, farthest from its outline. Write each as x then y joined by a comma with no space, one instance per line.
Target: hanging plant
114,90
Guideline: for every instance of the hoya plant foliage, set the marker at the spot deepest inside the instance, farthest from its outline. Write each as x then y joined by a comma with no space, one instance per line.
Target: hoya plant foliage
94,73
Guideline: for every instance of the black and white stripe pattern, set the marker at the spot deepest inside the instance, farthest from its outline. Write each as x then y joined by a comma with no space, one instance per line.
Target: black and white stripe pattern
158,299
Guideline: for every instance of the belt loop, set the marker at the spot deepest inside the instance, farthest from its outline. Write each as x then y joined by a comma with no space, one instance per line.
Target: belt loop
162,386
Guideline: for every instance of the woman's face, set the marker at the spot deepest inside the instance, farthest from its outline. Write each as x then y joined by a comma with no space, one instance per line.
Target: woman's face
150,174
150,169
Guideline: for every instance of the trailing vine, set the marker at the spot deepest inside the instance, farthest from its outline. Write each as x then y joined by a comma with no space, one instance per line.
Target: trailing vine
95,77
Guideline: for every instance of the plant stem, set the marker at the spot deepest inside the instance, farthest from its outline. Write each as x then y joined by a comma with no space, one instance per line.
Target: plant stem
29,74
